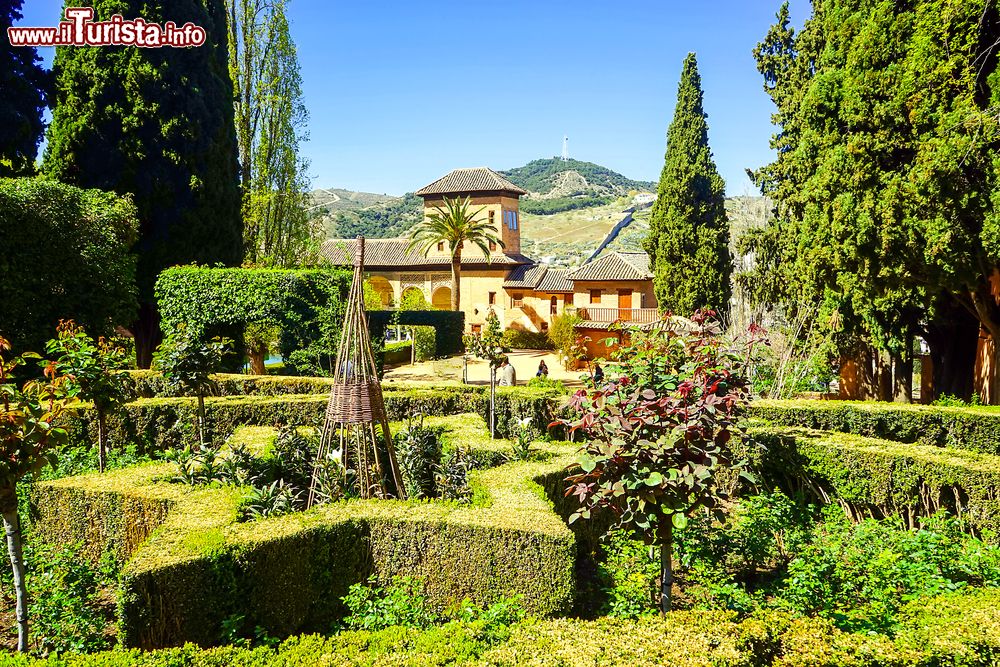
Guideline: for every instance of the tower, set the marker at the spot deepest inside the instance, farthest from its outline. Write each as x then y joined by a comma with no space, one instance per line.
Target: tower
565,153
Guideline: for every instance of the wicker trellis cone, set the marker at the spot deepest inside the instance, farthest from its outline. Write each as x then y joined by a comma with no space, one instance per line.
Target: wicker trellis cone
356,425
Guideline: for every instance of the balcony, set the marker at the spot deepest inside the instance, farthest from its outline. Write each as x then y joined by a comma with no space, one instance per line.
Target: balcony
624,315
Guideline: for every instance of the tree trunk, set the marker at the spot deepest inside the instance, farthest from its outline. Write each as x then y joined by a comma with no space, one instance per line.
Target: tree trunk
102,440
12,528
666,534
456,280
258,353
201,419
883,376
146,331
493,401
952,337
902,373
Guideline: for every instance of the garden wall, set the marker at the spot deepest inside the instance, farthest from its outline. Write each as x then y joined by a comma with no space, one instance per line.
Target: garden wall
157,424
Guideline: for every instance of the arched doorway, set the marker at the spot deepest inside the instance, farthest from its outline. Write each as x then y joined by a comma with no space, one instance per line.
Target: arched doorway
382,287
413,298
441,299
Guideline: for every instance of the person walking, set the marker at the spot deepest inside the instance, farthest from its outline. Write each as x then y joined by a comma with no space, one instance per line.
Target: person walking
508,378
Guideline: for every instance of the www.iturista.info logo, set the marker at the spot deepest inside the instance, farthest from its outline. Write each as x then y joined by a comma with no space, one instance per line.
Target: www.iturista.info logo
80,29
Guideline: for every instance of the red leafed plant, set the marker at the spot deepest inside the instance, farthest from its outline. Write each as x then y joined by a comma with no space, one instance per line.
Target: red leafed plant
28,437
656,435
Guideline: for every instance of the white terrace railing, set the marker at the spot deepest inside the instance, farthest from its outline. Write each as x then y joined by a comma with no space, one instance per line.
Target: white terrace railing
607,314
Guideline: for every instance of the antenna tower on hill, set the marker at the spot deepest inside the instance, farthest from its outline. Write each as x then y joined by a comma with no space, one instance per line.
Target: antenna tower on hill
565,153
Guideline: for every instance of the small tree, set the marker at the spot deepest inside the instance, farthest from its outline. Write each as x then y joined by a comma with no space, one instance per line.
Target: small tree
657,437
489,346
94,372
27,439
187,363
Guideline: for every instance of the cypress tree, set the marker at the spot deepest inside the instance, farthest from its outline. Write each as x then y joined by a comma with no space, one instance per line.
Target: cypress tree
25,87
688,241
156,123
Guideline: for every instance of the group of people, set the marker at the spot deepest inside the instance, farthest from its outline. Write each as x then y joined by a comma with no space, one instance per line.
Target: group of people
507,377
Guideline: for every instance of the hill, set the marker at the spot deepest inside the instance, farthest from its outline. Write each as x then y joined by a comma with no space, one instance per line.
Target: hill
554,178
555,186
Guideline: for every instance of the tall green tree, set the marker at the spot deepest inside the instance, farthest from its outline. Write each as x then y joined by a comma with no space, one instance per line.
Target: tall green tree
455,225
25,85
688,239
156,123
883,178
271,122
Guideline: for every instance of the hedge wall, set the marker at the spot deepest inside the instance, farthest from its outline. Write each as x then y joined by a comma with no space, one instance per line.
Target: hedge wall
975,428
199,566
949,630
879,478
161,423
449,327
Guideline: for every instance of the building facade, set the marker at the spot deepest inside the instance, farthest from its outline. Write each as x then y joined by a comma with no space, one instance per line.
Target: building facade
523,293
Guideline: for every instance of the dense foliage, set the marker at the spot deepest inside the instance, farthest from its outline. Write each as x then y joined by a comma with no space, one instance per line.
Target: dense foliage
884,184
688,242
776,553
306,306
26,87
560,204
157,124
393,218
67,256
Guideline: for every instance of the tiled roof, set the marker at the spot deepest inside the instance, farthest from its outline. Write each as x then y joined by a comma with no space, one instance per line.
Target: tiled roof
477,179
393,253
615,266
525,277
555,281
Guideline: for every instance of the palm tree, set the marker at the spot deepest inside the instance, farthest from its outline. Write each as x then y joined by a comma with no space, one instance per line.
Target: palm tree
455,225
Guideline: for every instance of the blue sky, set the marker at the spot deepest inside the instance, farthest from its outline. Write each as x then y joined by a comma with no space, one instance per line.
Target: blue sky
400,92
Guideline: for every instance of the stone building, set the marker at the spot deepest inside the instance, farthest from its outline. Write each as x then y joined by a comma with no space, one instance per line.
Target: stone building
523,293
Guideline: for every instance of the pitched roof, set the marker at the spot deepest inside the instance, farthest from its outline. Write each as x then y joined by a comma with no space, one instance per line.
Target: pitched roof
477,179
555,280
394,253
525,277
615,266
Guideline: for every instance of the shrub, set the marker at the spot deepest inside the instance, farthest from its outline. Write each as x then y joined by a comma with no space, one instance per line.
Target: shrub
522,339
657,438
424,338
564,336
74,247
418,449
400,603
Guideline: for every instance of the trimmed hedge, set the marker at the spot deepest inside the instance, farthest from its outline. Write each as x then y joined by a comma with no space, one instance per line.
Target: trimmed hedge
952,630
287,574
157,424
449,327
881,478
973,428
